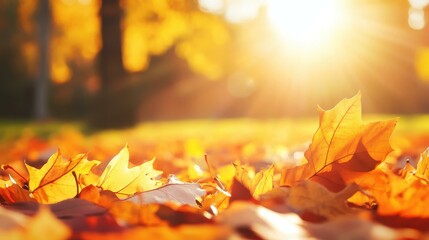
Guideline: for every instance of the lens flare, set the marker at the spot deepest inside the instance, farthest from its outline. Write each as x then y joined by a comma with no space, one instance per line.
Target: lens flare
304,22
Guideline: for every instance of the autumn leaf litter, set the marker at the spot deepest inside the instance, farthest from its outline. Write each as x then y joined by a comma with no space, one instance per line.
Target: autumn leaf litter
344,189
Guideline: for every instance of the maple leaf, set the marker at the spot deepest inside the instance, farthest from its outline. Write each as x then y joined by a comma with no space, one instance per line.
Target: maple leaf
311,197
342,144
215,203
174,191
258,183
123,181
12,192
56,180
394,195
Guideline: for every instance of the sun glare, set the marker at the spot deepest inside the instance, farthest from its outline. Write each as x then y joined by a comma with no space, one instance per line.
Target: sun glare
305,23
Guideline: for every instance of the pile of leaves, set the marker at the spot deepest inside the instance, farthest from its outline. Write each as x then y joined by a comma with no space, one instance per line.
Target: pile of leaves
343,187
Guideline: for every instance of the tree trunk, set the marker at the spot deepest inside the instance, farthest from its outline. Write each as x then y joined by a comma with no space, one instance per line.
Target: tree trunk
42,82
110,59
110,107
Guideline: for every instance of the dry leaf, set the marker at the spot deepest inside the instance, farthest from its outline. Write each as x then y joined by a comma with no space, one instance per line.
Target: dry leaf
280,226
342,144
181,193
239,192
184,232
98,196
215,203
11,192
271,225
136,214
18,226
311,197
258,183
125,182
395,195
57,180
158,214
422,170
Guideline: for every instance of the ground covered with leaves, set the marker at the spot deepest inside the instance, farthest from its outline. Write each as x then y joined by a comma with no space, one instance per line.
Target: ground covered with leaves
340,178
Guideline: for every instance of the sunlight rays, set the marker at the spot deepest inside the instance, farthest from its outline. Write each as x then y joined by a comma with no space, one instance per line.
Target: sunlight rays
358,55
304,23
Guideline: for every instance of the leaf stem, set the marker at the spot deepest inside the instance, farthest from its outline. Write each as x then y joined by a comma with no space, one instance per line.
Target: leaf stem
209,166
77,183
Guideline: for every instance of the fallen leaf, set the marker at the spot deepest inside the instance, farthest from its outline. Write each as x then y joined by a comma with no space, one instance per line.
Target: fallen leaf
181,193
18,226
422,170
57,180
125,182
258,183
342,144
182,214
311,197
66,209
271,225
239,192
79,215
45,224
183,232
158,214
136,214
395,195
11,192
215,203
98,196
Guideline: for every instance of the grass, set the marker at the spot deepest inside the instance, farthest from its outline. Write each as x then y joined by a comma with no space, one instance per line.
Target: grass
235,128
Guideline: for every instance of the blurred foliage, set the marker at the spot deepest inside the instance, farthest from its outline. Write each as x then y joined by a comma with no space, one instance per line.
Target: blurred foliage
152,27
171,49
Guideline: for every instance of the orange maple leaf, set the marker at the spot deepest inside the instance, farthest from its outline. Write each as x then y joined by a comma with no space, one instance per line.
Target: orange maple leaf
57,180
342,144
402,195
12,192
395,195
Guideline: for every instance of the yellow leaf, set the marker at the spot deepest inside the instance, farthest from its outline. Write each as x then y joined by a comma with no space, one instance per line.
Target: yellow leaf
313,197
124,181
57,179
422,170
258,183
342,144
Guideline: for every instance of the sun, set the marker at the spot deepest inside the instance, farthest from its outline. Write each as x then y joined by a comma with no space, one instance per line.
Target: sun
304,23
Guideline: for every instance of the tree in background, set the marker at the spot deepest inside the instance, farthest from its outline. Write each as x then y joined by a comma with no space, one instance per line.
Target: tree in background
118,55
165,31
16,91
41,100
